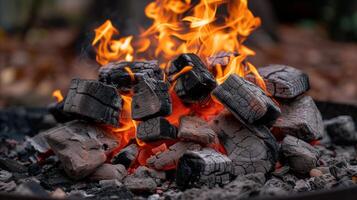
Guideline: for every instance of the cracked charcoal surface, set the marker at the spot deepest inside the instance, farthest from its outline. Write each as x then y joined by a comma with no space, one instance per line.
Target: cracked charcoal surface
221,58
156,129
126,156
95,100
115,73
301,119
195,129
80,147
301,156
203,167
250,152
283,81
246,101
341,130
170,157
194,85
151,99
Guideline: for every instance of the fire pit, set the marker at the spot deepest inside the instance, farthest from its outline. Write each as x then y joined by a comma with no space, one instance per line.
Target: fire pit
178,112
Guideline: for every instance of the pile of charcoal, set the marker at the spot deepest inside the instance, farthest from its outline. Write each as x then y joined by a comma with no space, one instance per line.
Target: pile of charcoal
273,142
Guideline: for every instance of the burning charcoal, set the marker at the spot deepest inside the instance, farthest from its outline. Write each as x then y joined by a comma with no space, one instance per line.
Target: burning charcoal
140,185
246,101
143,171
301,119
151,99
156,129
222,58
56,109
5,176
126,156
301,156
326,181
94,100
283,81
39,143
80,147
125,74
195,84
109,172
196,130
275,187
341,130
204,167
302,186
7,187
12,165
171,156
249,151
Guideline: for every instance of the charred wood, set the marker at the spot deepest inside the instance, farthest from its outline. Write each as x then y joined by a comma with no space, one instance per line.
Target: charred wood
151,99
283,81
194,85
221,58
94,100
250,152
171,156
301,119
124,75
246,101
204,167
195,129
126,156
341,130
80,147
301,156
56,109
156,129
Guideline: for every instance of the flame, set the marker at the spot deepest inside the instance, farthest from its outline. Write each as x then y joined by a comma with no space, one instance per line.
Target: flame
58,95
110,49
180,27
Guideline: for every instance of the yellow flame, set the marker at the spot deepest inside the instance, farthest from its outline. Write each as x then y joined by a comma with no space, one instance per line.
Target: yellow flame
58,95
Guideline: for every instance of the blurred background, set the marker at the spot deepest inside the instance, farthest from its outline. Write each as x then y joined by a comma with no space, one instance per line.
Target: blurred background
45,43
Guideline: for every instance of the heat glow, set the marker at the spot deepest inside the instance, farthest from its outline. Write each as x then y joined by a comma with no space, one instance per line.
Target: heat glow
178,27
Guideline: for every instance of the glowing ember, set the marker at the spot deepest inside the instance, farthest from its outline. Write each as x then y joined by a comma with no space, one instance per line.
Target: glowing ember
58,95
179,27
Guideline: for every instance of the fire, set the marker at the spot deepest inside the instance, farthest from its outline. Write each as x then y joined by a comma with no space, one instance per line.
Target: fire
58,95
180,27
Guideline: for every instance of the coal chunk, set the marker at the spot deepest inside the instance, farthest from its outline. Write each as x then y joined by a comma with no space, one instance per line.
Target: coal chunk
151,99
250,152
126,156
124,75
109,172
156,129
221,58
140,185
80,147
341,130
204,167
194,85
94,100
246,101
300,118
195,129
170,157
283,81
301,156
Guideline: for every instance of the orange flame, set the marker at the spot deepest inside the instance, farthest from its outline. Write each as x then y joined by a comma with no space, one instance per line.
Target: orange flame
58,95
179,27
